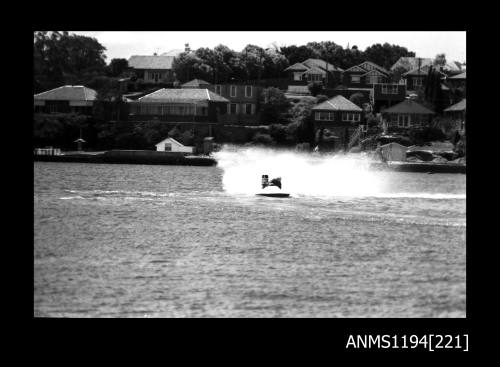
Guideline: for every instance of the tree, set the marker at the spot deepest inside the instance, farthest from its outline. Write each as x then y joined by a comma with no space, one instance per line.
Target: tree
357,99
295,54
274,105
61,58
386,55
439,61
433,93
117,67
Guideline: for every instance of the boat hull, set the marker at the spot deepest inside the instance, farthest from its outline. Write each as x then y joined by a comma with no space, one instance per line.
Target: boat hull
274,195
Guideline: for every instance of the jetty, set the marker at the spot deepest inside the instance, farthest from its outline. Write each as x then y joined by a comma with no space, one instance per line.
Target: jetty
129,157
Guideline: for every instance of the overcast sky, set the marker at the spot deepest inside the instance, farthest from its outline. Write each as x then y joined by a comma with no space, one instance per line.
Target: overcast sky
425,44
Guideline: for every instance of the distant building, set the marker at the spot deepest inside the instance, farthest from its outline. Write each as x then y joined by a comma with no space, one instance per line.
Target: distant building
179,105
66,99
407,114
417,78
172,145
457,112
153,69
365,75
243,106
313,70
339,115
196,83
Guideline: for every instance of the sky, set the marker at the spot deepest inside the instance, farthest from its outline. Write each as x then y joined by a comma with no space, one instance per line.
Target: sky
424,44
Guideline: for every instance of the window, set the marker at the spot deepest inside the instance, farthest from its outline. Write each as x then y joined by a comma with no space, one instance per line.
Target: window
351,116
355,79
232,108
218,89
324,116
233,91
248,108
248,91
374,79
395,89
168,147
404,120
297,76
417,82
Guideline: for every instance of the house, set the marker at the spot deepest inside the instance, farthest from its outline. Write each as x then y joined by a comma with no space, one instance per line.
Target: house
313,70
339,115
153,69
243,106
365,75
66,99
457,81
196,83
417,78
172,145
179,105
393,152
407,114
457,112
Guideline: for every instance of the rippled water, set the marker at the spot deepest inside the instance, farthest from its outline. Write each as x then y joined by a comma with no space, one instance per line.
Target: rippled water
176,241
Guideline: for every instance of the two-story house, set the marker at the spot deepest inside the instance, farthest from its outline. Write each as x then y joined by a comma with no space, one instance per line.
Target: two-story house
312,70
243,106
374,83
153,69
66,99
339,115
417,78
179,105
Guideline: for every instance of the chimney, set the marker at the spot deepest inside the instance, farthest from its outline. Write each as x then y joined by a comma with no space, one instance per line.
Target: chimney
186,47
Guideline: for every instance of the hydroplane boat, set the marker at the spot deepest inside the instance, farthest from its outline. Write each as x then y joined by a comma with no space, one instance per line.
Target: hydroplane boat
272,188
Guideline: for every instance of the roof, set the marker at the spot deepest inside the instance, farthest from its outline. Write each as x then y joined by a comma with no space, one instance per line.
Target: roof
321,64
297,67
170,139
314,70
151,62
460,106
338,103
459,76
195,83
410,63
378,67
409,106
68,93
189,95
424,70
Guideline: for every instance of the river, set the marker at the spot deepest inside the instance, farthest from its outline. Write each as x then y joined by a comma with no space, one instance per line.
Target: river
179,241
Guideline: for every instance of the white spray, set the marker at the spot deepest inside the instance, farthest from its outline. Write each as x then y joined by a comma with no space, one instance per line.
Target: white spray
301,173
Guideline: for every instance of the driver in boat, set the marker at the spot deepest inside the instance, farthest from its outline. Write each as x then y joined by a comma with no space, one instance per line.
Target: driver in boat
274,182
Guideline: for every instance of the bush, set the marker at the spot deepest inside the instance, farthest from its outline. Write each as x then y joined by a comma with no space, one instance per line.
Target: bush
427,134
315,88
264,139
321,98
278,133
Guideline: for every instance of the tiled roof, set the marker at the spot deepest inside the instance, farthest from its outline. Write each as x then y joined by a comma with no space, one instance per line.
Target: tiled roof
338,103
460,106
321,64
459,76
68,93
378,67
195,83
297,67
151,62
189,95
410,63
424,70
314,70
409,106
